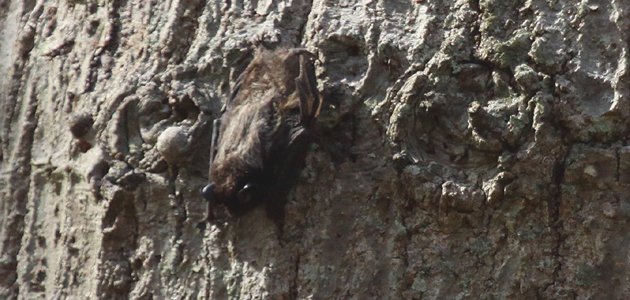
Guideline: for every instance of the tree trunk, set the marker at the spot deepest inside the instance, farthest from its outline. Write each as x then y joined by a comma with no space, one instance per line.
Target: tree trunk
467,149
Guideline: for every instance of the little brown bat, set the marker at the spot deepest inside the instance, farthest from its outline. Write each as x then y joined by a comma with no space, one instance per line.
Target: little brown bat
264,132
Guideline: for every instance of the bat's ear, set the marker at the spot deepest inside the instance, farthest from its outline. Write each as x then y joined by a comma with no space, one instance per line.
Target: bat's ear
306,86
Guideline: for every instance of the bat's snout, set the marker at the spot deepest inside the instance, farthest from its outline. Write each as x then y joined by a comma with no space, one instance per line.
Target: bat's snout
244,196
208,192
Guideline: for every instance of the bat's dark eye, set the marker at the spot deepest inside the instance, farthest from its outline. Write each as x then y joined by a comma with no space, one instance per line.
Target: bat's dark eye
246,194
208,192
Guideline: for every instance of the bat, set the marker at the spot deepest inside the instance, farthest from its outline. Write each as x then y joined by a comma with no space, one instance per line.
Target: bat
259,143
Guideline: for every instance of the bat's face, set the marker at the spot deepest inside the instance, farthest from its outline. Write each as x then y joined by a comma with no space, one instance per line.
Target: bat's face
262,132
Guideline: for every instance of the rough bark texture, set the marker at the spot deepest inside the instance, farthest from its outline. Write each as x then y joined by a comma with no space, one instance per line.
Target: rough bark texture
469,149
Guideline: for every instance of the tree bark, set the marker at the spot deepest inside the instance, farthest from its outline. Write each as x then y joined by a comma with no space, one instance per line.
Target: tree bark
467,149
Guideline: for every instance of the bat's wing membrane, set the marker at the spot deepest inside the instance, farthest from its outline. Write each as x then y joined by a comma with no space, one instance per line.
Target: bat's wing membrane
306,86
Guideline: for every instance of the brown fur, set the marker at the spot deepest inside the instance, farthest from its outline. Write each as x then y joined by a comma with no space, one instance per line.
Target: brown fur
272,107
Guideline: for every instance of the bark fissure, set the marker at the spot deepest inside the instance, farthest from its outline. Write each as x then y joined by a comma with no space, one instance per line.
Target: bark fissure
555,214
18,187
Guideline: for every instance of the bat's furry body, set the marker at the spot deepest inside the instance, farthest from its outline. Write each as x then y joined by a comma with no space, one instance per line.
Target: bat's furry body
264,131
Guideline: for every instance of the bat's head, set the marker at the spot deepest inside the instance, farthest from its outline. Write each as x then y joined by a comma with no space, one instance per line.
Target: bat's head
262,131
236,200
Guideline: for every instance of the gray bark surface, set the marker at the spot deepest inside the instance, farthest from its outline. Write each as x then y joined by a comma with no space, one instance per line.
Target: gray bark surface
470,149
